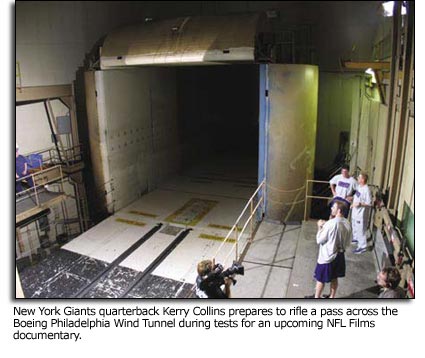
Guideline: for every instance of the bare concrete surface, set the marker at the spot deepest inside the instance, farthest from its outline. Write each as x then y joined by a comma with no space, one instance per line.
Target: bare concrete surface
268,262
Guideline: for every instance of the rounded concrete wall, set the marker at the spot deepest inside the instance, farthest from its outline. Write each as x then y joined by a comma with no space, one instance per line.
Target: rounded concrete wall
293,93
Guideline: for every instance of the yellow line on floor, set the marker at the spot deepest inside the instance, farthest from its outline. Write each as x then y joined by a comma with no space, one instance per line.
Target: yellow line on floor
142,213
216,238
130,222
224,227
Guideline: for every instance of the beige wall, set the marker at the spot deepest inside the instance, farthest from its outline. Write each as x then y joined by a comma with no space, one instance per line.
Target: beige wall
52,37
369,134
408,175
49,41
32,126
368,142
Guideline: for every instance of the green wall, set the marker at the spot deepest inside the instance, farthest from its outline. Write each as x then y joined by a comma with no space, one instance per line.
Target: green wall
408,227
335,104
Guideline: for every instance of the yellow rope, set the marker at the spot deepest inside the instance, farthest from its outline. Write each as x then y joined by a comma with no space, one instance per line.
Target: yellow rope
285,191
284,203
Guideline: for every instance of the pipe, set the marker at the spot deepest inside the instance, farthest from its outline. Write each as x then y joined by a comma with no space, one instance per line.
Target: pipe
291,142
52,131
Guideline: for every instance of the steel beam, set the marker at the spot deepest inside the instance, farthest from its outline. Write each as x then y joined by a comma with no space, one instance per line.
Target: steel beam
40,93
364,65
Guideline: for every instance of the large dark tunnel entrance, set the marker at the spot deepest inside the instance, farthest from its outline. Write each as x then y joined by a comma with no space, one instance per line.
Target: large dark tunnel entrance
218,120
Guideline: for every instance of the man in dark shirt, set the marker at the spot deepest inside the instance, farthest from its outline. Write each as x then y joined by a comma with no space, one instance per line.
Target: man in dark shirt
208,285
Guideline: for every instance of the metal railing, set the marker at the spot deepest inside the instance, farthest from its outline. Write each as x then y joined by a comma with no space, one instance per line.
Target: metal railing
69,155
53,156
308,197
40,179
404,260
254,205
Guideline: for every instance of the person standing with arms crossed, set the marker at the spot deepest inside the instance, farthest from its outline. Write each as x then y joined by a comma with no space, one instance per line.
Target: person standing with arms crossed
362,204
343,185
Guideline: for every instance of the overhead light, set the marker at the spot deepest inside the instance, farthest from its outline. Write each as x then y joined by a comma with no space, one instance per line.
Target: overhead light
388,7
371,72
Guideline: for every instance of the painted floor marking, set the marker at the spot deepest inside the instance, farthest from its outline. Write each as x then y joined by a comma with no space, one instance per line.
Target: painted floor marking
142,213
130,222
192,212
224,227
217,238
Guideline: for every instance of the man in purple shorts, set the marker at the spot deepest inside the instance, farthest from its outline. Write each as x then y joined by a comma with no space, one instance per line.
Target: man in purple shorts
333,237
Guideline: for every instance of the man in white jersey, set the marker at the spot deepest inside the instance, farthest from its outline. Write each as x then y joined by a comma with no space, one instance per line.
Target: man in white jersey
343,185
333,237
362,204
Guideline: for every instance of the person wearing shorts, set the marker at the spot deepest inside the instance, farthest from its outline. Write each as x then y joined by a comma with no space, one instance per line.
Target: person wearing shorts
333,237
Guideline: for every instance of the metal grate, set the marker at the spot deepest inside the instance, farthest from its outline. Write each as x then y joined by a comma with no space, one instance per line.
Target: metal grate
171,230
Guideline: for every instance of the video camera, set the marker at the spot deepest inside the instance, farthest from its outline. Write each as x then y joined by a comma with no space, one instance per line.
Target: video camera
215,278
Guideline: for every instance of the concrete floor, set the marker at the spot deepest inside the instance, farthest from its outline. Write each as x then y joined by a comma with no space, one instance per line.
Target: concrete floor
208,199
268,262
281,261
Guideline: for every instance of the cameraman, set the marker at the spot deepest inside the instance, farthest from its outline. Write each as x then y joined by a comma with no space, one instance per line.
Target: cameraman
209,281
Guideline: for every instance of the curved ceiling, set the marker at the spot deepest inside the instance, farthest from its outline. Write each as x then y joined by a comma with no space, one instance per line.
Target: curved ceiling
182,41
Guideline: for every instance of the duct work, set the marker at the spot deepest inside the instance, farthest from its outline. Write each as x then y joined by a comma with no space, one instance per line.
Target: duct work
184,41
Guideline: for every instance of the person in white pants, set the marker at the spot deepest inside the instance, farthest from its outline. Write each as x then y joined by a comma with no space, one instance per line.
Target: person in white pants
362,204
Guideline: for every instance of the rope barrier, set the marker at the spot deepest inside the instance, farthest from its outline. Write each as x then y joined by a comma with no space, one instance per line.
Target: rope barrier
285,204
285,191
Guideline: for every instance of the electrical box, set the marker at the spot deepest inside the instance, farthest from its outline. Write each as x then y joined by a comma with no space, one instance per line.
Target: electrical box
63,124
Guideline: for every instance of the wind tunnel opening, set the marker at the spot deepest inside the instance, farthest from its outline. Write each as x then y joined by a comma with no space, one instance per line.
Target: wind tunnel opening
218,122
150,125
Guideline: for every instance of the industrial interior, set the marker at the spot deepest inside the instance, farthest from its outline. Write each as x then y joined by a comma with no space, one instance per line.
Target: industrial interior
153,135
